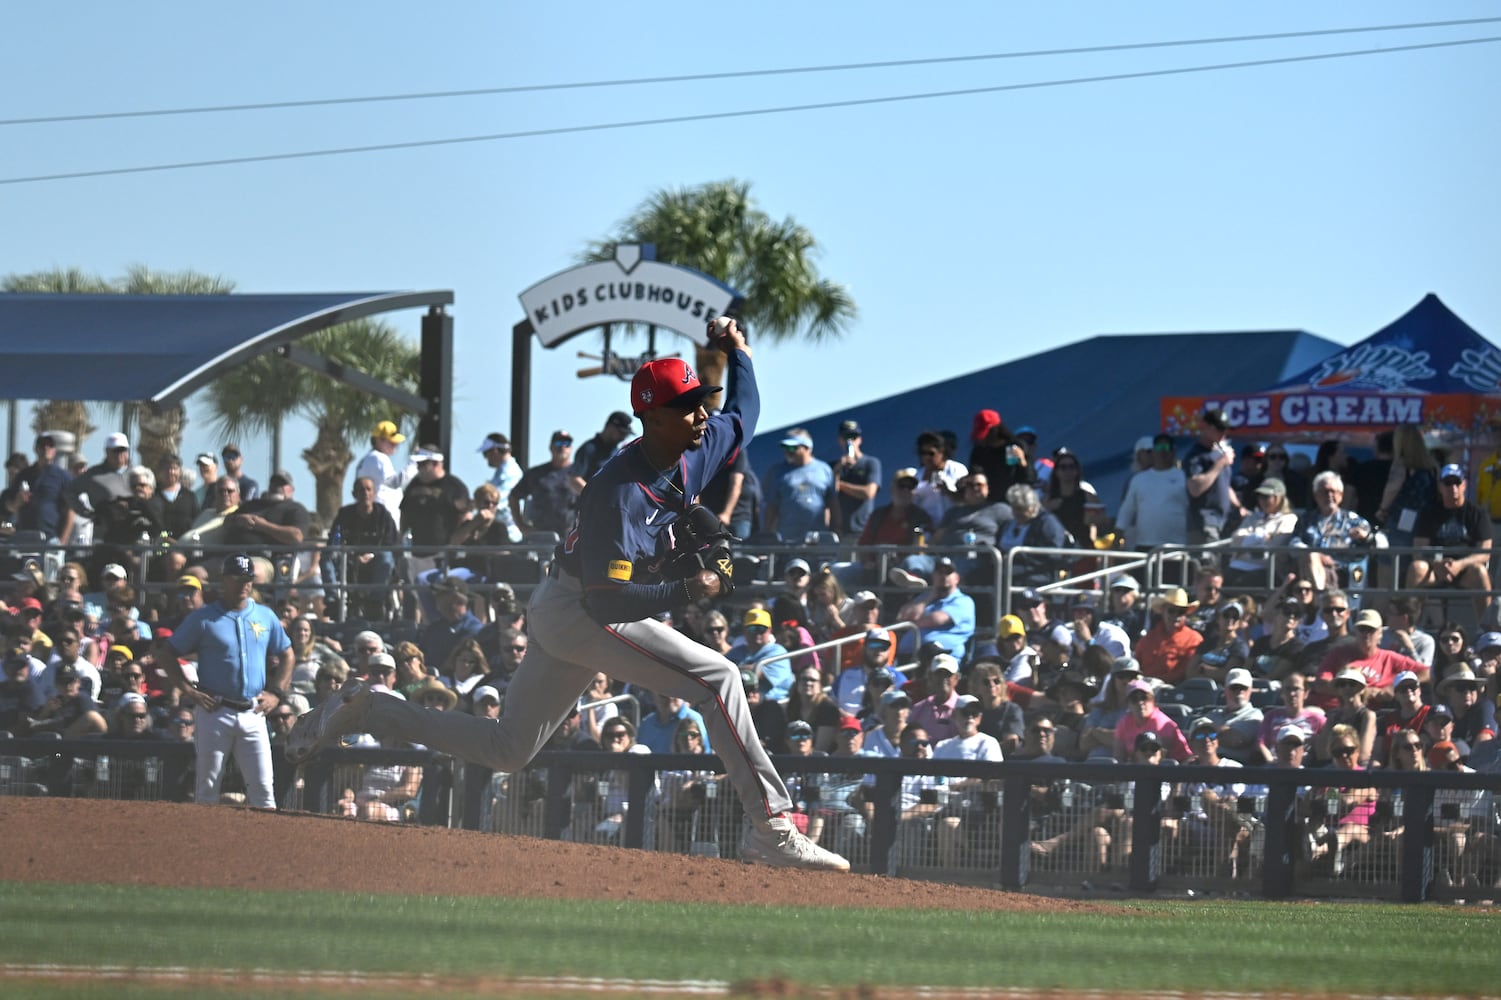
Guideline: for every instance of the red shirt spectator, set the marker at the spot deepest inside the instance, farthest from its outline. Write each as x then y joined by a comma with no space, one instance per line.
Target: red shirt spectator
1165,651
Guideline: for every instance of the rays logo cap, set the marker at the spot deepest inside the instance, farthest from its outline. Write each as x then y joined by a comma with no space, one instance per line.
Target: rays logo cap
668,382
239,565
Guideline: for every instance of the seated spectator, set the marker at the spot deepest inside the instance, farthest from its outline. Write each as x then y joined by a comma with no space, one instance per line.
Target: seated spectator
765,655
1487,665
1000,717
1032,527
917,803
1294,711
864,617
935,713
1403,635
1405,715
849,686
69,654
1474,719
976,520
595,707
966,812
1456,527
455,624
1347,827
943,613
1143,716
1334,543
658,728
1349,718
479,528
432,693
466,669
901,522
274,519
884,739
809,703
1213,821
71,712
716,633
828,606
411,667
1230,649
938,475
769,717
1378,667
1270,525
1236,722
1168,647
486,701
386,791
310,652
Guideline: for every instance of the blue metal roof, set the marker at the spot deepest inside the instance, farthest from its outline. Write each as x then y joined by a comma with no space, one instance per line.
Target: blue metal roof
161,347
1096,396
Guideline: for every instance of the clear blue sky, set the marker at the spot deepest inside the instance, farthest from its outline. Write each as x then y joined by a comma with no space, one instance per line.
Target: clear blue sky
1327,196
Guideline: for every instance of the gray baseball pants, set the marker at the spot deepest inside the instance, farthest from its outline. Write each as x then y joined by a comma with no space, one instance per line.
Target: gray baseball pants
567,649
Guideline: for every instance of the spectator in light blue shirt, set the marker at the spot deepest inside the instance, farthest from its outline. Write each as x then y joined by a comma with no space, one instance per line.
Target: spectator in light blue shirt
658,729
943,613
800,492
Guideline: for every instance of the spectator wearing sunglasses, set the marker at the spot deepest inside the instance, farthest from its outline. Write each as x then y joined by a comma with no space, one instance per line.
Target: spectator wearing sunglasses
1155,509
1170,645
1142,716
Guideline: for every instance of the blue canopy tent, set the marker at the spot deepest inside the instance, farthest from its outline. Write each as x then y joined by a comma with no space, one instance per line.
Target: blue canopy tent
1427,367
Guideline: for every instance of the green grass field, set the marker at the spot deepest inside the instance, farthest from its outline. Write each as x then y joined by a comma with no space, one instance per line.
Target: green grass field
1201,946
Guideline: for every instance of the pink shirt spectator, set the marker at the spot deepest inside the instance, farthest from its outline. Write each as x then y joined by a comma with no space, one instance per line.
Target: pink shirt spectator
1168,733
937,717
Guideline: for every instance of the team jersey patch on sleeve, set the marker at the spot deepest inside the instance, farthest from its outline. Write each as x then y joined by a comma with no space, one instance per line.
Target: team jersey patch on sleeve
619,570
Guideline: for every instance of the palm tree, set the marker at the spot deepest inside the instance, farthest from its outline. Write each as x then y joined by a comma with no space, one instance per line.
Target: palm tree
160,431
716,228
251,396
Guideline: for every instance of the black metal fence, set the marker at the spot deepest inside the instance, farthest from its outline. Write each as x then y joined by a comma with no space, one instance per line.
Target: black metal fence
1061,828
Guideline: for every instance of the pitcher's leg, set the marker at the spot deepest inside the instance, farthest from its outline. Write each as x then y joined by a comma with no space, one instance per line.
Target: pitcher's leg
663,660
540,696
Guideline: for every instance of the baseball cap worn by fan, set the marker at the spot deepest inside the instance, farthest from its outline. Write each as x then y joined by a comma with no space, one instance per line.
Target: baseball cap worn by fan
1010,625
668,382
797,441
757,617
494,441
1452,473
421,455
620,420
850,429
386,431
116,440
189,582
238,565
851,723
943,663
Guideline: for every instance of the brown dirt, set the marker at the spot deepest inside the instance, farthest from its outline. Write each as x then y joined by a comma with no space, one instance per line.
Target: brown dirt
226,847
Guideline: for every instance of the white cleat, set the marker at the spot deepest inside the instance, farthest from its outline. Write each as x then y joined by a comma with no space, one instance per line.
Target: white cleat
780,845
334,717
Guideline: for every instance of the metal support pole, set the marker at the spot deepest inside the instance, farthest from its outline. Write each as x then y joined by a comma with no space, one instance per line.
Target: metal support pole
1146,836
639,788
435,381
557,812
521,390
883,821
1016,833
1417,843
1281,829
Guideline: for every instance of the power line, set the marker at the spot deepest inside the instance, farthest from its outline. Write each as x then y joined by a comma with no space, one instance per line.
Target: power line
722,115
735,74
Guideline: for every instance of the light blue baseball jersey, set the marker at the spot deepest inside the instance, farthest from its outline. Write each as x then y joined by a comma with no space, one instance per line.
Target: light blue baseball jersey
233,647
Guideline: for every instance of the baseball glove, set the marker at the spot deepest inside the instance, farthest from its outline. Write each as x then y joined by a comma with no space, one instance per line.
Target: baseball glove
703,542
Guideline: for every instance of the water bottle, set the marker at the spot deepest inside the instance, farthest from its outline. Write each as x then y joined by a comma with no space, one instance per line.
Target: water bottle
919,537
969,539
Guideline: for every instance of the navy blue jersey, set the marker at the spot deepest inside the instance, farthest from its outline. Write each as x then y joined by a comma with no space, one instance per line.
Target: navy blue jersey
622,534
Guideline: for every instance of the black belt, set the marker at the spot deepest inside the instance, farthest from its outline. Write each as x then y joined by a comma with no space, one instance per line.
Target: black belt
238,704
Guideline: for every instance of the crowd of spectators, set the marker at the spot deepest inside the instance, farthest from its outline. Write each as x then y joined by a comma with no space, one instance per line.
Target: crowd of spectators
1270,653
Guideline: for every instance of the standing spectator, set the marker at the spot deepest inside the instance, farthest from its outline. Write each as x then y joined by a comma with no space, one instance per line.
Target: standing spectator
547,490
38,498
208,475
1409,486
858,479
175,504
1207,467
599,449
365,533
92,493
1277,464
800,492
378,466
1155,510
496,449
431,506
1068,493
997,453
938,475
735,495
1453,522
234,464
1168,647
244,666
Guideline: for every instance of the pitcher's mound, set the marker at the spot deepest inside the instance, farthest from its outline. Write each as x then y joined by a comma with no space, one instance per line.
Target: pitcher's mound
169,844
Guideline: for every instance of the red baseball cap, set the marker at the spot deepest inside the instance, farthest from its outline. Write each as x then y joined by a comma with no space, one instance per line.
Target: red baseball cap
31,603
668,382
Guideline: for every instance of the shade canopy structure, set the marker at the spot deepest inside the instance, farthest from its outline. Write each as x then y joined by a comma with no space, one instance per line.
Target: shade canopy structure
161,348
1096,396
1428,367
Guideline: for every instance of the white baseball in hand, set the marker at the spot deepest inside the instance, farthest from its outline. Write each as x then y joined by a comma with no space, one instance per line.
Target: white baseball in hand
719,326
